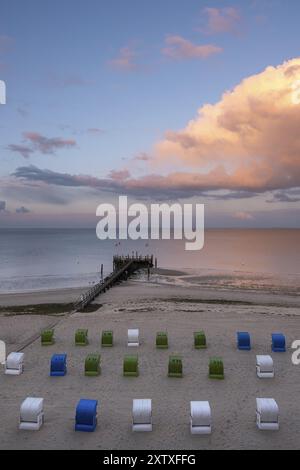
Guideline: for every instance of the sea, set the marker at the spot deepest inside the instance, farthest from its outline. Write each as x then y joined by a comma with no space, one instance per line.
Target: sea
44,259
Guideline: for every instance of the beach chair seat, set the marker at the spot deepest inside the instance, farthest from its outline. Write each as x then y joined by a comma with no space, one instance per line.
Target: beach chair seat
107,339
133,337
243,341
142,415
58,365
175,368
47,337
31,414
216,368
14,364
264,367
200,340
162,340
267,414
86,415
131,366
92,365
278,342
200,417
81,337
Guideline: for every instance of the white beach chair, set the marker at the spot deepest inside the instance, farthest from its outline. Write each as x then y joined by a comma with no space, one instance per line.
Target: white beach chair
264,367
2,352
133,337
200,418
267,414
32,414
14,364
142,415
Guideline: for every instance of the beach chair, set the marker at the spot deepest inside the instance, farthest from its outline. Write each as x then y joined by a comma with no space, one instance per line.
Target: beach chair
264,367
92,365
142,415
133,337
14,364
58,365
278,342
243,341
200,417
267,414
107,339
200,340
31,414
86,415
162,340
2,353
175,368
131,366
81,337
47,337
216,368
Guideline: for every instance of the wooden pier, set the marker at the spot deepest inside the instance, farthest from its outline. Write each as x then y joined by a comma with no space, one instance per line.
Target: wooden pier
123,267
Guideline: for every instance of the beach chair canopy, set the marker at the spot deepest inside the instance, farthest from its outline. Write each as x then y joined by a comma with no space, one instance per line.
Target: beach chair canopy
216,368
107,338
162,340
47,337
81,337
142,415
265,366
86,415
267,413
200,419
14,360
243,341
92,364
175,368
133,337
199,340
278,342
31,414
58,366
130,366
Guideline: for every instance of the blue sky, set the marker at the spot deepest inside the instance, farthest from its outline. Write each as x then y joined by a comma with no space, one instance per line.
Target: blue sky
93,87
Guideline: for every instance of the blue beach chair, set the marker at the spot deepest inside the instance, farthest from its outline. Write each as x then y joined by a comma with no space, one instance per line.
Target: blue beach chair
278,342
243,341
86,415
58,366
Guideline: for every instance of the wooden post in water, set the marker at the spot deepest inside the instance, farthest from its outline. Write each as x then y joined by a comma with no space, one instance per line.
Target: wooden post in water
155,263
102,272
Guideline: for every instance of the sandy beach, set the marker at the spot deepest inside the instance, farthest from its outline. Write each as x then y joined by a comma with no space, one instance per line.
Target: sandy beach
154,306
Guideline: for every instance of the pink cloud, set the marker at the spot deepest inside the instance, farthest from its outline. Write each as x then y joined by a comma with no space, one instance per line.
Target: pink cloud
221,20
243,216
126,60
179,48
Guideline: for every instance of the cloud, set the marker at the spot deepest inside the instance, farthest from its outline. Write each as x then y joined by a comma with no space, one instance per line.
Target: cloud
22,210
126,60
142,157
249,140
221,20
243,216
35,142
178,48
286,196
95,131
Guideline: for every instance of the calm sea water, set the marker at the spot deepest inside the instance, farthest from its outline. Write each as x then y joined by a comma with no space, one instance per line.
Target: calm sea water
36,259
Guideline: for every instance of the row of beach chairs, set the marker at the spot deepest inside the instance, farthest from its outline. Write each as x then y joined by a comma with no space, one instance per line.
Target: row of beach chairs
92,366
32,415
133,339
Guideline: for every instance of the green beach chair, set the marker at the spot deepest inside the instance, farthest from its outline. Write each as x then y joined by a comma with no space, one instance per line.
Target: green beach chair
175,366
47,337
162,340
92,365
200,340
81,337
131,366
216,368
107,339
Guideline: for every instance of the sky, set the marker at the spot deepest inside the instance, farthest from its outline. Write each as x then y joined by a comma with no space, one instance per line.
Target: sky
173,100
